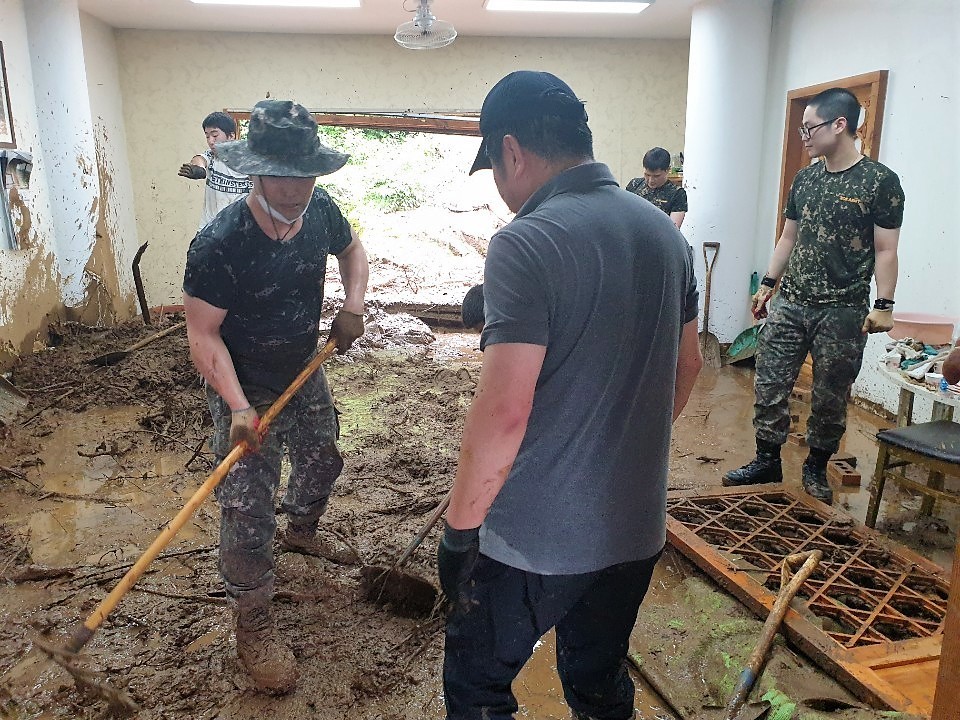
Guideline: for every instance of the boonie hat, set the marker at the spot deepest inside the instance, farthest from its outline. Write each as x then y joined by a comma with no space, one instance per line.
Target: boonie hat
282,141
525,95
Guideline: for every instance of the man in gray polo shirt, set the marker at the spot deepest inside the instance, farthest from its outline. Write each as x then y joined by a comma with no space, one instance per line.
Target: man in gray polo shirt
558,510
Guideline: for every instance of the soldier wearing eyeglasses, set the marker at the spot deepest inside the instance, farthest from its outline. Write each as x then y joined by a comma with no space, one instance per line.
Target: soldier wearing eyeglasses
843,218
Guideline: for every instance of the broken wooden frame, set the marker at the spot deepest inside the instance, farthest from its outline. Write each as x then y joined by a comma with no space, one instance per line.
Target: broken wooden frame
873,613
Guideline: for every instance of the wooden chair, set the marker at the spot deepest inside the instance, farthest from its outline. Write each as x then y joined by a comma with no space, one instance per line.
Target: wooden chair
931,445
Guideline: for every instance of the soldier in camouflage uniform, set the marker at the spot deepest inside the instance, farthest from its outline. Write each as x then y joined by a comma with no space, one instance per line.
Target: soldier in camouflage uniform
253,291
842,227
655,187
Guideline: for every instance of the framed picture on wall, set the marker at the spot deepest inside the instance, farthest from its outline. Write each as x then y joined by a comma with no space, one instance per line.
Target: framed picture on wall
7,139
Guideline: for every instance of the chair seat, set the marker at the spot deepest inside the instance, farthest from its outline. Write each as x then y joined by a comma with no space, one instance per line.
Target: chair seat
939,439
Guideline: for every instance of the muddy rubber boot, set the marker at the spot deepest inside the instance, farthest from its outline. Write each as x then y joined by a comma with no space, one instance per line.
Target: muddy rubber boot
307,542
267,659
815,481
766,467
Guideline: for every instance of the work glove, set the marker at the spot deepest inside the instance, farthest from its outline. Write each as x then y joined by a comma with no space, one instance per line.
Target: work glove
758,303
878,321
456,557
243,427
194,172
346,328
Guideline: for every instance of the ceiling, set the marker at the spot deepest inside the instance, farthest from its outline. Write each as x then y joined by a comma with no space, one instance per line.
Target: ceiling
667,19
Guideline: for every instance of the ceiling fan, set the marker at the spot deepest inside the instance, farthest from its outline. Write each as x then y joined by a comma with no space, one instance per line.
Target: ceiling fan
425,32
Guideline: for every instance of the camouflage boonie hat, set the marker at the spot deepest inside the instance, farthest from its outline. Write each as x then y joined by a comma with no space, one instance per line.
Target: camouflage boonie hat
281,141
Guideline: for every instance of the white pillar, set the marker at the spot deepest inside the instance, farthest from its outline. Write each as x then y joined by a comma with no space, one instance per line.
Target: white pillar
726,89
66,144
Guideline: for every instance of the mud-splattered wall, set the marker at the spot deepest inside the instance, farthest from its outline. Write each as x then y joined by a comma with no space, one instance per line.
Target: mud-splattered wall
75,224
635,92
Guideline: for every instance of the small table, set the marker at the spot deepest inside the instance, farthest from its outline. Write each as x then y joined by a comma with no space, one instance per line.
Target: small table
911,389
943,407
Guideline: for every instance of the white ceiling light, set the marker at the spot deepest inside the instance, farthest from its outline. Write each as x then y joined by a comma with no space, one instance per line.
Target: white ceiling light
285,3
625,7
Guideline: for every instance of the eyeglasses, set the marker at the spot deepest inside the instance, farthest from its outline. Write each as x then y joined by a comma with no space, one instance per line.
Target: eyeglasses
806,132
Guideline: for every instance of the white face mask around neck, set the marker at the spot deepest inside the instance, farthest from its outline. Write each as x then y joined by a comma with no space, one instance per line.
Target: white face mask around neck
275,214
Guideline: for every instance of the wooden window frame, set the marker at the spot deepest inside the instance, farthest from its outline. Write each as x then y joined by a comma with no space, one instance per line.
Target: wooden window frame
439,123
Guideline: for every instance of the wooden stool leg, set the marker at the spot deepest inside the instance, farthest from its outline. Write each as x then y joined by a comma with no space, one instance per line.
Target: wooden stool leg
876,487
935,481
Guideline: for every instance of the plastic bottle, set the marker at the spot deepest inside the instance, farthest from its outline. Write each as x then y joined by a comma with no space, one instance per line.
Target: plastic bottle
945,387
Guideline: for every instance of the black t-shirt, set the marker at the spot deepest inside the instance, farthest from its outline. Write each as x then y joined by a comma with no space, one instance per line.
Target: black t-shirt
272,290
668,197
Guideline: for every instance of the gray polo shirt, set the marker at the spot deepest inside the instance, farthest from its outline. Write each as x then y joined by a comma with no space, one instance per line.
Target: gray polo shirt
605,282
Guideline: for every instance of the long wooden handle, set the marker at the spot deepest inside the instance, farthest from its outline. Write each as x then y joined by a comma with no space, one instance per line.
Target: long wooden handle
427,527
81,636
156,336
788,588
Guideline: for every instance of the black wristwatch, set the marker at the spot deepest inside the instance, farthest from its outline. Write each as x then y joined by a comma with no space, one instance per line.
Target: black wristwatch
768,281
882,304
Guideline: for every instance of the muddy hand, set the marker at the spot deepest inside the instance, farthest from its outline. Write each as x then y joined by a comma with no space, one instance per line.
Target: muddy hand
758,303
346,328
878,321
243,428
194,172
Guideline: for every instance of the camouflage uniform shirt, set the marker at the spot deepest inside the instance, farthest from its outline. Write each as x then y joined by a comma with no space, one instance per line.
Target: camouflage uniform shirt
668,197
833,258
272,290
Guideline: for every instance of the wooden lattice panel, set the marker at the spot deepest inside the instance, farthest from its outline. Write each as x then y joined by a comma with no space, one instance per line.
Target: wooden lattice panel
872,614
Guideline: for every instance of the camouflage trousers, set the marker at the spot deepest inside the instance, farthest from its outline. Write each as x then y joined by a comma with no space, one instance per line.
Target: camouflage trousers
833,337
307,429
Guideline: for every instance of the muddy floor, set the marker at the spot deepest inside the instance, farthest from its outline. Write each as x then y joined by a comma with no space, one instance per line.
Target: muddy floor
104,456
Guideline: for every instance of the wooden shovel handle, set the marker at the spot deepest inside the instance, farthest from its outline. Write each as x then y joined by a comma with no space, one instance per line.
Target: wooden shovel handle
156,336
81,636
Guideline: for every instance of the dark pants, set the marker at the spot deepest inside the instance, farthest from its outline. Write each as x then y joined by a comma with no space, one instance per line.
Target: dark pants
307,430
503,611
833,336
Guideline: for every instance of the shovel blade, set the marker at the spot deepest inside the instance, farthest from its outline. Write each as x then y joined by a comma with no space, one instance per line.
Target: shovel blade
710,349
110,358
12,401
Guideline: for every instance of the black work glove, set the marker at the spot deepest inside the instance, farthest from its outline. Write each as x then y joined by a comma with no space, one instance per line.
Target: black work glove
456,558
194,172
346,328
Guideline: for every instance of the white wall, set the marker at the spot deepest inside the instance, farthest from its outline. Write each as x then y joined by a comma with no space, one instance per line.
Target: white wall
815,41
635,93
116,221
31,264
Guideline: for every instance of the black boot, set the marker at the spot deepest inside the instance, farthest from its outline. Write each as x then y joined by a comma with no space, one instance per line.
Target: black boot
815,476
764,468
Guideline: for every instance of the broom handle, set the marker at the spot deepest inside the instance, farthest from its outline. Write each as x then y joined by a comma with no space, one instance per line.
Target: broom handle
81,636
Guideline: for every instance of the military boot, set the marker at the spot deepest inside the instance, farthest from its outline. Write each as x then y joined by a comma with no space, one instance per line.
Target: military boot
307,541
267,659
815,481
766,467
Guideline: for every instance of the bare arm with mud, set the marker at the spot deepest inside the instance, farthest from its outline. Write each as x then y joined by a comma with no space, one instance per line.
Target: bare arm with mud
689,363
494,428
354,273
209,354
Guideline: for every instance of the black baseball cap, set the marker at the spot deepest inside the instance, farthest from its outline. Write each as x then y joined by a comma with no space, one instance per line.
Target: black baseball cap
525,95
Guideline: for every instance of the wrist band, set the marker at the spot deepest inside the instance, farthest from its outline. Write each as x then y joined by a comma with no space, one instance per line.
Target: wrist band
768,282
241,410
883,304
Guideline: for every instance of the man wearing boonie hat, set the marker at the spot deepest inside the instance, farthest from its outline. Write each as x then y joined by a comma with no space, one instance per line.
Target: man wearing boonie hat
252,292
558,510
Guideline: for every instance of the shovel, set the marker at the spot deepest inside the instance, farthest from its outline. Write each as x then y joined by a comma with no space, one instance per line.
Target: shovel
82,634
12,401
408,593
112,358
788,588
709,345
